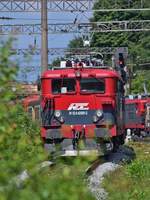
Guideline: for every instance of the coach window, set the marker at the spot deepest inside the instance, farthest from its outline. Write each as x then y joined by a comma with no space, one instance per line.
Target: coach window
37,112
92,85
64,85
30,111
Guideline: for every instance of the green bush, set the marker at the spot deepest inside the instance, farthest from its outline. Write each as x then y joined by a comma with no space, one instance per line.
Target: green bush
131,182
21,149
20,144
139,169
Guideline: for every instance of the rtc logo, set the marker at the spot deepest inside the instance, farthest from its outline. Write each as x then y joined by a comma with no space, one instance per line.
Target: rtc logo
78,106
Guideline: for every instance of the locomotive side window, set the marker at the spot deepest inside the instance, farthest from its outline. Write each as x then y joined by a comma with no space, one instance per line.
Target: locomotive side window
92,85
64,85
131,109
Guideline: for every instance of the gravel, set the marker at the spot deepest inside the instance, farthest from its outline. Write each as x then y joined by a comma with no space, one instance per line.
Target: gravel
124,154
95,180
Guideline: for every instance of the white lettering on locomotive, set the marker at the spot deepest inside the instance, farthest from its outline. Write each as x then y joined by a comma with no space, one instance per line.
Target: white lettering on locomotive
78,106
78,113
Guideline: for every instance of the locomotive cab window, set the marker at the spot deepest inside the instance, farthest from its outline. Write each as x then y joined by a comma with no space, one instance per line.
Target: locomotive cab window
92,85
64,85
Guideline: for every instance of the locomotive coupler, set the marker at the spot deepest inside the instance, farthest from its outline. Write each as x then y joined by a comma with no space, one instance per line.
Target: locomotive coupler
76,137
82,136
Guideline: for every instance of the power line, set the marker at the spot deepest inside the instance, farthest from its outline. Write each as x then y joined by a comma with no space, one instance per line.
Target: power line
36,19
119,10
94,27
6,18
62,51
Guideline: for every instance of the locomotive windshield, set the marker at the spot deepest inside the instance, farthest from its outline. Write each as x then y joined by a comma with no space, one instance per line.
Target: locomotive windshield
64,85
92,85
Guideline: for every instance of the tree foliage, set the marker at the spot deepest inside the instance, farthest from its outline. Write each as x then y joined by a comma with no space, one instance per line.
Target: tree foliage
21,149
142,77
76,43
138,43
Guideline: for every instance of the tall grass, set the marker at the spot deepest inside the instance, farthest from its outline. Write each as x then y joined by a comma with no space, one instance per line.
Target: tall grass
132,181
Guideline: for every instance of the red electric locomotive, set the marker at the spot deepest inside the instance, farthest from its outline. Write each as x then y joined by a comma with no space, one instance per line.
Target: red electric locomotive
137,114
82,108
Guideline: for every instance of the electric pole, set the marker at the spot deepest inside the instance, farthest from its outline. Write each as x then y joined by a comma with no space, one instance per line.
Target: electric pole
44,39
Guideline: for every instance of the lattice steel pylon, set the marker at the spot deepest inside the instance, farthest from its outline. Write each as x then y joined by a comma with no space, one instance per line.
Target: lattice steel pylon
68,5
52,5
95,27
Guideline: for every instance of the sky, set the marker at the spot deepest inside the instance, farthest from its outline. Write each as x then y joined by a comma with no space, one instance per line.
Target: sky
24,41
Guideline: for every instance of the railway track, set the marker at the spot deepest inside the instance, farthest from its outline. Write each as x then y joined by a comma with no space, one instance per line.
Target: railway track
94,165
106,164
103,165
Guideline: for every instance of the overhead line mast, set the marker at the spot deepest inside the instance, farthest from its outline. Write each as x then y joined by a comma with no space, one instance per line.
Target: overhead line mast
44,39
52,5
66,5
63,28
82,6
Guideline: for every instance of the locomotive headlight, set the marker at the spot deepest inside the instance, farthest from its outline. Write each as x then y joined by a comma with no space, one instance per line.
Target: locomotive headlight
57,113
97,116
99,113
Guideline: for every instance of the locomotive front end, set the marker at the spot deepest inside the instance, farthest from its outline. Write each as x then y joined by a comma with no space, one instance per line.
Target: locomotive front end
80,110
